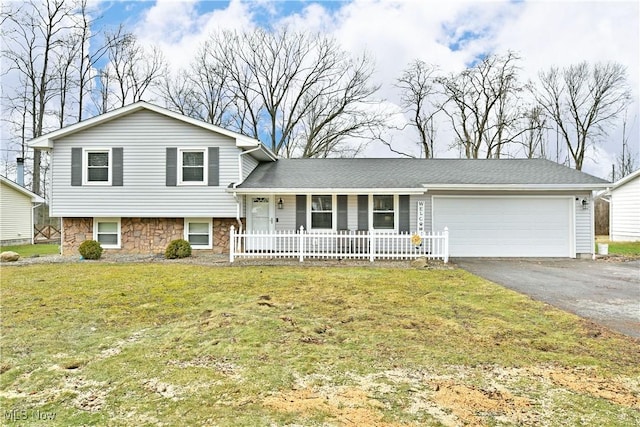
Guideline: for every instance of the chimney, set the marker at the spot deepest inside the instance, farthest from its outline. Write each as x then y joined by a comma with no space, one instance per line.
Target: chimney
20,171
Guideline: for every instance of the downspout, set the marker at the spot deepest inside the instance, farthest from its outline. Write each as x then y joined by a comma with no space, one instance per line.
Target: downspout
33,208
240,180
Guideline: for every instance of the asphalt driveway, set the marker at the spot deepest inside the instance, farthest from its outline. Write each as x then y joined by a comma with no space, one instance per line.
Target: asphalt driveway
603,291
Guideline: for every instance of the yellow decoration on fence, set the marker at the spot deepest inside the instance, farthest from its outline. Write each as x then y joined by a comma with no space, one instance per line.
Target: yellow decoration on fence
416,240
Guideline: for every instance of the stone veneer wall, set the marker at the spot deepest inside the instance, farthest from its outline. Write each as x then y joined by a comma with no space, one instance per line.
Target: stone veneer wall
149,235
142,235
74,231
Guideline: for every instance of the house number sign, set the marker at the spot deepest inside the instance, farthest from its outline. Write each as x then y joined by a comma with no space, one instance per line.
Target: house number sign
420,216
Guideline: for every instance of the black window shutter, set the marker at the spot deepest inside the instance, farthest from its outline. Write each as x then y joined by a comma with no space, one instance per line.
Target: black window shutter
363,212
172,167
404,211
116,171
76,167
301,211
214,166
342,212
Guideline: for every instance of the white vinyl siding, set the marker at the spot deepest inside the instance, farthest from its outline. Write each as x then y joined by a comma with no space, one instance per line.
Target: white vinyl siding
144,137
248,165
494,226
584,225
15,215
625,212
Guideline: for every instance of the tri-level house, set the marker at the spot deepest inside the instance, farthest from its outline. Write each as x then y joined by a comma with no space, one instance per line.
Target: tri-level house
138,177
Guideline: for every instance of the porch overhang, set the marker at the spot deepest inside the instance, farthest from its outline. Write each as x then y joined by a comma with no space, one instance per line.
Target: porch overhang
242,190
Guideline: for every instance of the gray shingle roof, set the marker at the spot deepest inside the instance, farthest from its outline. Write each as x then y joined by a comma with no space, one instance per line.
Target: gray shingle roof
411,173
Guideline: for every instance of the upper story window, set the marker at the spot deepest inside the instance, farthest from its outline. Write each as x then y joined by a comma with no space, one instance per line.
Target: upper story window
193,166
383,212
322,212
98,166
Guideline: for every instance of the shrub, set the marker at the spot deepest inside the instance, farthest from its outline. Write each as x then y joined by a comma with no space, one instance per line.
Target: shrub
90,249
179,248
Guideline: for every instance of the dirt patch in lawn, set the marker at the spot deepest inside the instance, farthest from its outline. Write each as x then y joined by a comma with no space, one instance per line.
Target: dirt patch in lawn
450,398
347,405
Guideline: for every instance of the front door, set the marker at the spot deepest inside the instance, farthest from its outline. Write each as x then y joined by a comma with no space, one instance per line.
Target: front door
260,222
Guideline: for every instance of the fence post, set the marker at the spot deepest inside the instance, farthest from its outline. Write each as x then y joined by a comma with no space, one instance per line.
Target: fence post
232,243
301,244
372,246
446,245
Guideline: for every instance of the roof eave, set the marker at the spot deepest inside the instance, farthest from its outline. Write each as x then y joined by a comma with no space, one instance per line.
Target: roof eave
320,190
626,179
518,187
46,141
35,198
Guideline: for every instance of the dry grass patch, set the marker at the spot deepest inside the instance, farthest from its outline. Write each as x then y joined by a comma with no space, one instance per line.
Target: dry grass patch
167,344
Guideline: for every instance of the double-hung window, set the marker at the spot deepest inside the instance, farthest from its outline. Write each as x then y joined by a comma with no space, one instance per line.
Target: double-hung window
198,233
98,167
383,212
192,166
322,212
106,231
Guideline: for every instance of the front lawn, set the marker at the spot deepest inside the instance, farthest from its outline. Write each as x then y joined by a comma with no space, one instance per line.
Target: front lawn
174,344
33,250
631,249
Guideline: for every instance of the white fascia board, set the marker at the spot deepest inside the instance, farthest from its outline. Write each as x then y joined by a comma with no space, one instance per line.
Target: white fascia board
517,187
35,198
326,190
46,141
262,154
624,180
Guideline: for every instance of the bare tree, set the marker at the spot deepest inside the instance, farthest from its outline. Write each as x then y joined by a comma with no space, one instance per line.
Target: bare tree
300,91
533,140
626,162
419,92
204,90
131,70
38,29
88,56
483,105
583,100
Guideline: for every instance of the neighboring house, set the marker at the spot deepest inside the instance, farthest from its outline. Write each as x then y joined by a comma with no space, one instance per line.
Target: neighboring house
16,213
624,209
140,176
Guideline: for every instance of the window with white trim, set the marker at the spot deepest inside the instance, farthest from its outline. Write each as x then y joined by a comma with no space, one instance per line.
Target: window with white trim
97,167
383,212
198,232
106,231
322,212
192,166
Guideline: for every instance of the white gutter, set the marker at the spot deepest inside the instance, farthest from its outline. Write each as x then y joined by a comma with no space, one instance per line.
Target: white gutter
240,179
516,187
325,190
33,208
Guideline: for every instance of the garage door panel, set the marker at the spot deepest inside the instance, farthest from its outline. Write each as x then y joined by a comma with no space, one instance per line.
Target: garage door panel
505,226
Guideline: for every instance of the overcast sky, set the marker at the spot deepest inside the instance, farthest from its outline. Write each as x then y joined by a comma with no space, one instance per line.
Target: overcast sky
447,33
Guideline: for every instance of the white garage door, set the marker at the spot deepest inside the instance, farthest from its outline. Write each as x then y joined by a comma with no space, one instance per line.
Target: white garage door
506,226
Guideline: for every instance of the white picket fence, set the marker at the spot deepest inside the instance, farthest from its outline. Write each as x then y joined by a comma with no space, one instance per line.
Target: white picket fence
369,245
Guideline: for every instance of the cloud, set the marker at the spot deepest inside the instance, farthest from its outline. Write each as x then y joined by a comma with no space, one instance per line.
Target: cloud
451,34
